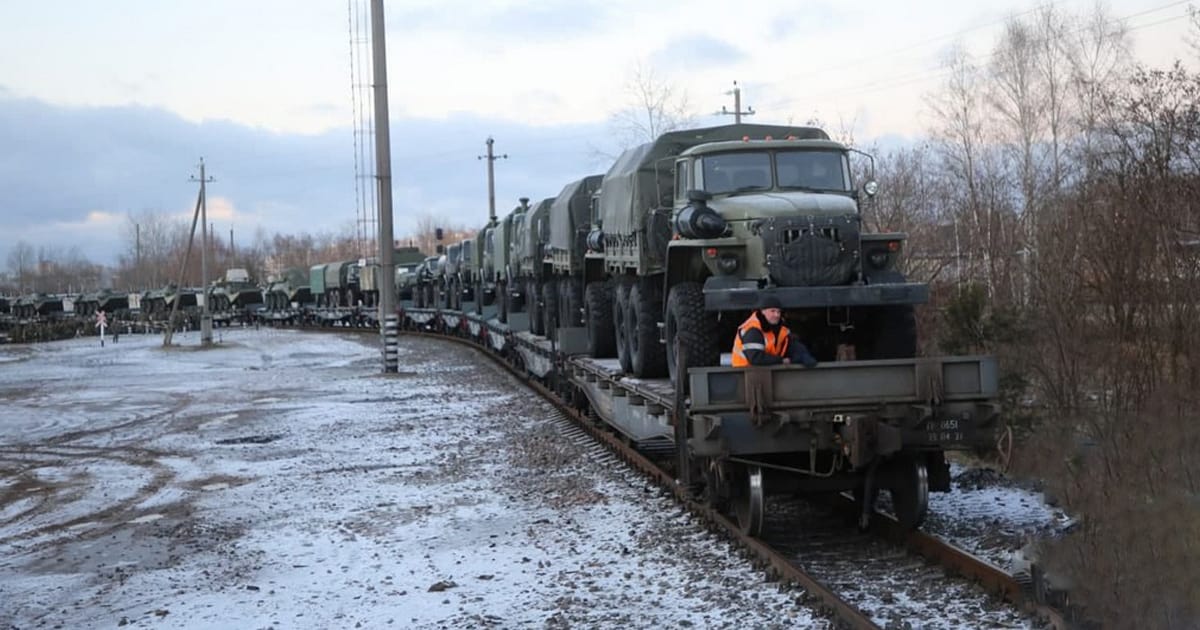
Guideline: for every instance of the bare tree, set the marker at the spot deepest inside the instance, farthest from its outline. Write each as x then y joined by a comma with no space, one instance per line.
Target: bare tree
656,106
21,263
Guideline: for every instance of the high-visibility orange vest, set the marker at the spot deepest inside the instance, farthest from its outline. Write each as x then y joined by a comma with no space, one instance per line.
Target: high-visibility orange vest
776,342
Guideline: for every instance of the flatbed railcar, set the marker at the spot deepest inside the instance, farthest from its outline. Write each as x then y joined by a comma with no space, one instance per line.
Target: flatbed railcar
742,434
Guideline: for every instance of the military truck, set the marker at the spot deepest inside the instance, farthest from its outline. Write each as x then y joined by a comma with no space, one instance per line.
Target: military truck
449,276
424,296
498,259
464,273
699,226
569,224
406,260
530,268
481,277
342,286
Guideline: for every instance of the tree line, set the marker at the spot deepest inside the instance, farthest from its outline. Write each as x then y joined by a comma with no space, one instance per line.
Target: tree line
1053,207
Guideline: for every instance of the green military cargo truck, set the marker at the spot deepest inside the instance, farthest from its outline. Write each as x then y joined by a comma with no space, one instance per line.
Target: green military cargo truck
699,226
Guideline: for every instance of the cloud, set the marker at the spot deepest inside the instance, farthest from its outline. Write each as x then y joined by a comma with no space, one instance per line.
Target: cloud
696,52
541,21
73,175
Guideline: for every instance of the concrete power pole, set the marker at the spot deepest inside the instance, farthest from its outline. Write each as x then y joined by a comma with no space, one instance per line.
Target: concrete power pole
205,313
491,160
737,112
383,174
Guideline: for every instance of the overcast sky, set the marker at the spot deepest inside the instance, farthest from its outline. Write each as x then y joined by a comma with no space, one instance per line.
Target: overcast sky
107,107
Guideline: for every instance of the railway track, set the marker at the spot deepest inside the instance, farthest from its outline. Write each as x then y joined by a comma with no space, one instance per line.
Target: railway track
826,556
817,556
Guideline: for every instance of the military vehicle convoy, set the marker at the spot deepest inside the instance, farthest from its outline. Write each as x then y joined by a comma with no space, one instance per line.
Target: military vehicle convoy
570,221
659,260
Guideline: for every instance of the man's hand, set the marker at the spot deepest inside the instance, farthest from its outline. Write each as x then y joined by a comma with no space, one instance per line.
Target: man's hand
787,361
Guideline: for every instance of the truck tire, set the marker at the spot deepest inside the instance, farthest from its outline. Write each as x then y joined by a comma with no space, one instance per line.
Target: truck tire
571,305
646,355
621,323
550,308
533,295
598,300
505,300
691,328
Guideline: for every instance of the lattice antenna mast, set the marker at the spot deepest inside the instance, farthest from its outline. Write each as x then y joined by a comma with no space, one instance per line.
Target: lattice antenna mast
361,101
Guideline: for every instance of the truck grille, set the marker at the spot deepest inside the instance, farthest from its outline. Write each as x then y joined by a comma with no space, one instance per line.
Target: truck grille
801,252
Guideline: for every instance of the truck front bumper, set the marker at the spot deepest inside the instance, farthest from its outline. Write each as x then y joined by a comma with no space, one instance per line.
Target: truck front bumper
721,295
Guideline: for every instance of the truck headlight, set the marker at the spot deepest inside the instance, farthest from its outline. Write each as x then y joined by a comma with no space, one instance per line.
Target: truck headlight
727,264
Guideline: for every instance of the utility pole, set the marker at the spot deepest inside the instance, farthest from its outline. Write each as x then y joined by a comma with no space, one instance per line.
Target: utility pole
383,174
205,313
737,112
137,229
491,159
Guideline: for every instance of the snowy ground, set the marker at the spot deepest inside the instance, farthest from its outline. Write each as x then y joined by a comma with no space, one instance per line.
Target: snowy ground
280,481
990,515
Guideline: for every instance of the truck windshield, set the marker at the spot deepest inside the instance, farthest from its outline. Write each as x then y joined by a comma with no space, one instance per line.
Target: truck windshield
819,170
744,171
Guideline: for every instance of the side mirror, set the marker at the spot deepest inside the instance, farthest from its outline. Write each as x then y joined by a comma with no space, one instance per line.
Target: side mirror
439,235
699,195
441,249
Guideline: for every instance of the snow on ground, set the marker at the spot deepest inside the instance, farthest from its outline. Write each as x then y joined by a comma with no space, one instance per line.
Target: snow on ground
990,515
280,481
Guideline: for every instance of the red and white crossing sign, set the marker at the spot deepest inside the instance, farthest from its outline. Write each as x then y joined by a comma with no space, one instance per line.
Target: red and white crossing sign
101,320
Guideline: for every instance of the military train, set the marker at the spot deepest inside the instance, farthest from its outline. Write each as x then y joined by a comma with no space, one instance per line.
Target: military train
623,293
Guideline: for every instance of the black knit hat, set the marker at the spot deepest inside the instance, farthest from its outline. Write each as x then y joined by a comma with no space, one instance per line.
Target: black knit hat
770,301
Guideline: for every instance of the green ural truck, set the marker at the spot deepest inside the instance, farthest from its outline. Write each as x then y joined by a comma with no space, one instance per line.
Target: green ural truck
497,259
697,227
570,220
529,256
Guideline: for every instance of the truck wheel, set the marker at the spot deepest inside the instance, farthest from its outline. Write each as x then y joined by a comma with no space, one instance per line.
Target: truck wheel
550,308
533,295
645,349
599,304
573,304
691,328
505,300
621,323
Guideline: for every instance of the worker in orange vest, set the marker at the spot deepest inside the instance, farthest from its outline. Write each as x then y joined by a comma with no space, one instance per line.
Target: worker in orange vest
763,339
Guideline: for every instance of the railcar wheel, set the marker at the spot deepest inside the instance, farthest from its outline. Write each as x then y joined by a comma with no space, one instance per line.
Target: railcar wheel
748,499
865,511
599,303
910,492
620,323
716,486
